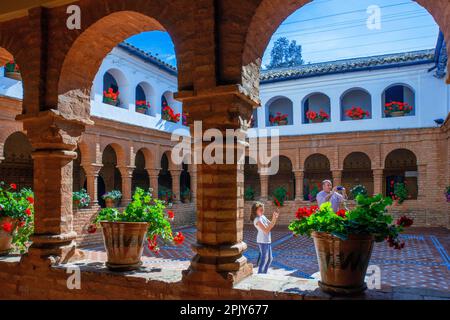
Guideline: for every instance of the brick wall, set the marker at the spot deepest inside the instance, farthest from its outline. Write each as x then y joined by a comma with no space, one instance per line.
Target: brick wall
184,216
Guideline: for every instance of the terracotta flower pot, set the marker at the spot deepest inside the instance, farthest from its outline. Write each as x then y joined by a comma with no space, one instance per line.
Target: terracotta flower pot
6,237
343,264
140,110
13,75
110,203
316,120
111,102
282,122
124,243
395,114
76,204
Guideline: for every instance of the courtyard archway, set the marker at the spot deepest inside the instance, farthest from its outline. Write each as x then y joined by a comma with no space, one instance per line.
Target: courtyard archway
357,171
317,169
401,167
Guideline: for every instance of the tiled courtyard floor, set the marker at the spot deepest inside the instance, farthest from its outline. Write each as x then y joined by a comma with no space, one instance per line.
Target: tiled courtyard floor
423,264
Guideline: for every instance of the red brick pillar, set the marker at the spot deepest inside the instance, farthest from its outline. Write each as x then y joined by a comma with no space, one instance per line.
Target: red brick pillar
337,177
92,172
193,186
378,181
264,181
153,175
54,140
299,177
127,178
176,174
219,261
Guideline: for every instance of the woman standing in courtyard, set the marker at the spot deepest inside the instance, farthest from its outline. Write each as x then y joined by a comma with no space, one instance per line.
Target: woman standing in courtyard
264,237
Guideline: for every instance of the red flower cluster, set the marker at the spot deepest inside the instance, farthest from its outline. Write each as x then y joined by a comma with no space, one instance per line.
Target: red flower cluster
278,118
341,213
142,104
12,66
13,186
92,229
278,204
356,113
28,212
170,115
111,95
312,115
153,244
306,212
178,239
171,214
405,222
7,227
394,106
30,200
393,243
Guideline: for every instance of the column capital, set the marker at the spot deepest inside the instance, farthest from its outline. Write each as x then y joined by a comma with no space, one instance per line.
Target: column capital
153,172
126,171
175,172
92,169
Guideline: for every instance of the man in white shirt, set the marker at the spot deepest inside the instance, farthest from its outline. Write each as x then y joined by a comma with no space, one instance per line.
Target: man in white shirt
330,194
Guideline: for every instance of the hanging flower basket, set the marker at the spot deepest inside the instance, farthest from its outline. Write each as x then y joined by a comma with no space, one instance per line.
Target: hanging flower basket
12,71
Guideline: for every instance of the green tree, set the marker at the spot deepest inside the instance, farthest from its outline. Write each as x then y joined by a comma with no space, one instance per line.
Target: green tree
285,53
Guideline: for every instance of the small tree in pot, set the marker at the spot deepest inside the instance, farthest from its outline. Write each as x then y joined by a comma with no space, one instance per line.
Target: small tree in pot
124,232
344,240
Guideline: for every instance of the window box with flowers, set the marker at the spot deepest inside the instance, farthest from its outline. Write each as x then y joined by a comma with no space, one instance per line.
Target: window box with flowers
142,106
397,109
169,115
112,198
357,113
344,240
12,71
279,119
81,199
16,218
111,97
317,117
124,233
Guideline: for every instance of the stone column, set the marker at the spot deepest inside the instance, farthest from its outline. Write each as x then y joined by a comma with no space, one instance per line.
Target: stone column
153,175
337,177
378,181
92,172
126,173
299,177
219,261
176,174
54,140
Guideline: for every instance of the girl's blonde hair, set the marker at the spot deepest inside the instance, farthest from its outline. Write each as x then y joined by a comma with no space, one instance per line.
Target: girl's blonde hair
255,208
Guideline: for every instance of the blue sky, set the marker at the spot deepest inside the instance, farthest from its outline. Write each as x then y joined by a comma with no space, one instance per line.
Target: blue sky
335,29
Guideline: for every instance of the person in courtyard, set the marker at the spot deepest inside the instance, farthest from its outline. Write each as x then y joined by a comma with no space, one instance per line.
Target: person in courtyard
335,195
264,236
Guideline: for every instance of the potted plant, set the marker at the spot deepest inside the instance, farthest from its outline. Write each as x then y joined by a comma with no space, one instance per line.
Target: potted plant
317,117
278,120
186,195
81,199
358,189
124,232
12,71
397,109
357,113
400,193
165,194
16,217
112,198
249,194
280,196
447,194
313,194
344,240
142,106
169,115
111,97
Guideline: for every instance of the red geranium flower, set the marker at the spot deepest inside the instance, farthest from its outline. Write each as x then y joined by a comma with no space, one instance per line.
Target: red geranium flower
30,200
405,222
28,212
13,186
178,239
341,213
92,229
7,227
21,223
170,214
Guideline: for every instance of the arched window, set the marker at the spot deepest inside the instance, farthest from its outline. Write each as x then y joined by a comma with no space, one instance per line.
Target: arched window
398,101
165,180
142,104
284,178
115,87
356,104
280,112
316,108
169,108
357,171
140,177
317,169
111,177
401,168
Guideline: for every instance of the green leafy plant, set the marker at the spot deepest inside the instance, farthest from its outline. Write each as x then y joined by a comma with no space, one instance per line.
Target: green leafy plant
400,192
280,196
113,195
82,198
18,206
249,194
313,194
358,189
165,194
145,208
370,217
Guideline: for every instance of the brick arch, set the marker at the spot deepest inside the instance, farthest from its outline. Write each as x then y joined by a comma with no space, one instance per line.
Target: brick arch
114,21
148,156
368,151
416,150
120,153
269,14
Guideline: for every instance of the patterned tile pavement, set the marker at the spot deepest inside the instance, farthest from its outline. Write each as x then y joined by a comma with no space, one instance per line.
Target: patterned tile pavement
423,264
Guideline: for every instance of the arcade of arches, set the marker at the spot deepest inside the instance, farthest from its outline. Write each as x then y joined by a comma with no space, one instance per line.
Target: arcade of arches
218,78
